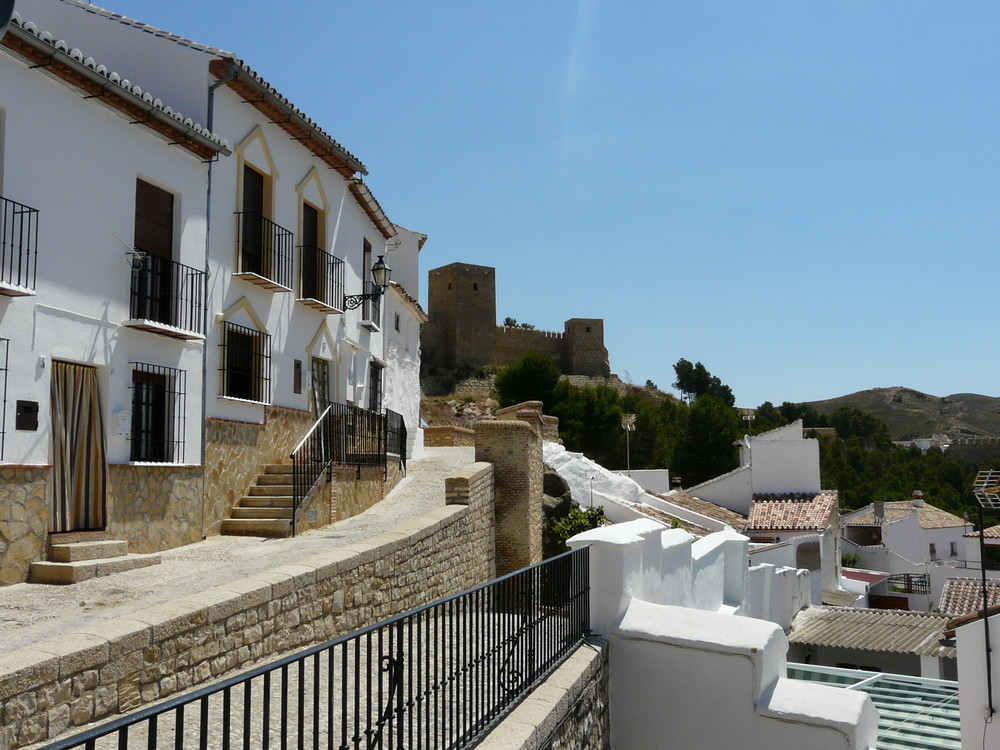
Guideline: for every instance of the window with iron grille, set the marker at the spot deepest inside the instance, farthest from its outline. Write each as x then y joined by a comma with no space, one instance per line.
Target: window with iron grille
375,387
246,363
159,396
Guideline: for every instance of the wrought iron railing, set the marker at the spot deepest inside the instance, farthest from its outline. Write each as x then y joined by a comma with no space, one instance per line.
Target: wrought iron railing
440,676
321,276
18,244
371,309
168,292
342,436
395,436
263,248
910,583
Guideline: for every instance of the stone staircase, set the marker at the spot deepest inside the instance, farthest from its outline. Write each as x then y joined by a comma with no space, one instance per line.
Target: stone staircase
266,509
77,556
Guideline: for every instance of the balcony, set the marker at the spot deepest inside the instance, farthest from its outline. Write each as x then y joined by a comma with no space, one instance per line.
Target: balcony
263,252
371,308
167,298
18,248
321,280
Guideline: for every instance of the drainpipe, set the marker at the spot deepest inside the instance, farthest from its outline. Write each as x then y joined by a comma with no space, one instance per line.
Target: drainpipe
209,123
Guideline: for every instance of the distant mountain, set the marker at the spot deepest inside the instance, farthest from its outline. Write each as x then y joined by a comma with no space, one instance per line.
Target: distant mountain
911,414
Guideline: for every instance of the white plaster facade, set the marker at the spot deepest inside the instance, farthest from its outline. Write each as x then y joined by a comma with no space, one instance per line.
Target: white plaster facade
980,728
685,665
778,461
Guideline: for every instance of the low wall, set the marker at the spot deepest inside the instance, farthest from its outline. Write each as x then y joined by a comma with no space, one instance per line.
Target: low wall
567,711
154,507
448,435
53,687
24,519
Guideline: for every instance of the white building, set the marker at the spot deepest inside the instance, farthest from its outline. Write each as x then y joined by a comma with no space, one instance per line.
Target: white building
192,284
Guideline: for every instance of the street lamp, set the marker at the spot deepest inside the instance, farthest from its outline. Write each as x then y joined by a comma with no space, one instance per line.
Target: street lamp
986,488
628,424
380,273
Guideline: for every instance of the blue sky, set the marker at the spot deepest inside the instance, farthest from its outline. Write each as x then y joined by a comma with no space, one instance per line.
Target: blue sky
804,196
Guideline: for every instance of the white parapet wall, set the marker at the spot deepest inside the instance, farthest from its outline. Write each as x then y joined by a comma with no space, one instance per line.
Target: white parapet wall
979,728
651,480
669,605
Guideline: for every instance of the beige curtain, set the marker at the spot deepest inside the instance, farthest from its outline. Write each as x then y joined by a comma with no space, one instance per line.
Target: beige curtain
78,464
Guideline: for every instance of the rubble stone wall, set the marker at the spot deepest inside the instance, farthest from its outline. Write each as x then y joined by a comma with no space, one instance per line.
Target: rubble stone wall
154,507
24,519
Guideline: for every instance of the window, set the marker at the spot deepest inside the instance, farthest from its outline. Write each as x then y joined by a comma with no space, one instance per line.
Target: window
396,322
375,387
158,413
475,286
933,551
954,549
152,272
246,363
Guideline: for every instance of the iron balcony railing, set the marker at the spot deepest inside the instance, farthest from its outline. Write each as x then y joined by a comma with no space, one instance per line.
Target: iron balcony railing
395,436
18,244
263,248
168,292
321,276
910,583
371,308
342,436
440,676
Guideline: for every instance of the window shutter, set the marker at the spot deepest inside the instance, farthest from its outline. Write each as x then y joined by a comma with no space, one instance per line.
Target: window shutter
154,220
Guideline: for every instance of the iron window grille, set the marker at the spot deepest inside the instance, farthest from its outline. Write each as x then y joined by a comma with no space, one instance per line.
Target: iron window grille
246,363
159,400
375,387
18,244
4,364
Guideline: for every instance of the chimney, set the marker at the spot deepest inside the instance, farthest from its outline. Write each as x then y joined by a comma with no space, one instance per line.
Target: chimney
878,509
918,499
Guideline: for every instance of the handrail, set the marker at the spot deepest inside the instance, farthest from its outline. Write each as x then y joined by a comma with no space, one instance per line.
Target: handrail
311,431
309,452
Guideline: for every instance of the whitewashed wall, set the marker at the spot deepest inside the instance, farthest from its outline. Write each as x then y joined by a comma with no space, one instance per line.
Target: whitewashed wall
979,729
77,163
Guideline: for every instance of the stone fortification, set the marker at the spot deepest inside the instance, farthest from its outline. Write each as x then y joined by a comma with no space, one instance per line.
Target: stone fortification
462,330
51,687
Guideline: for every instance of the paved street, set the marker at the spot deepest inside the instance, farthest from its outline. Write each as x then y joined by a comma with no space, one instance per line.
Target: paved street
33,612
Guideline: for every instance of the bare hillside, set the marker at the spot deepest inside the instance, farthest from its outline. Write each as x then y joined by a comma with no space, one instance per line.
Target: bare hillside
911,414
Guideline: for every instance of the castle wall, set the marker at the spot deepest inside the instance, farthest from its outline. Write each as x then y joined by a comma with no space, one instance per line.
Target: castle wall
462,310
514,343
585,353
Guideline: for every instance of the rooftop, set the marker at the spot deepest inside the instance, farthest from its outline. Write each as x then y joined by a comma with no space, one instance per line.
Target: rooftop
930,517
963,596
792,511
705,508
990,532
887,630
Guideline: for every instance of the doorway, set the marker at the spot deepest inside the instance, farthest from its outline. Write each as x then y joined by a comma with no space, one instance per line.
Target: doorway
79,468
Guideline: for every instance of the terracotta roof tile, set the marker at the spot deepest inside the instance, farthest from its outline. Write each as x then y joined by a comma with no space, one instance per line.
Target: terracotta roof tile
990,532
705,508
803,511
963,596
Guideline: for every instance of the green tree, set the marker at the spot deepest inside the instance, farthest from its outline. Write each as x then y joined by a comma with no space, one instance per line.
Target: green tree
532,378
694,380
706,449
575,522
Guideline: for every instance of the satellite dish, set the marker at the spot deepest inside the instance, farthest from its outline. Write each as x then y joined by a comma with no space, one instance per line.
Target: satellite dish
6,11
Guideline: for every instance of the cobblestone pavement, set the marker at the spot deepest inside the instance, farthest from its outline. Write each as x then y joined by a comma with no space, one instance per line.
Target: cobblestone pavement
33,612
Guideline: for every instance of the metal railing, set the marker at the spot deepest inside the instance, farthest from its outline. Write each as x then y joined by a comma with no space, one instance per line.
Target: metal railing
440,676
395,436
263,248
910,583
168,292
371,308
342,435
18,244
321,276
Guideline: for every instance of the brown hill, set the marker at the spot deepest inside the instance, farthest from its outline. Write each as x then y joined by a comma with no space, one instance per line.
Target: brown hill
911,414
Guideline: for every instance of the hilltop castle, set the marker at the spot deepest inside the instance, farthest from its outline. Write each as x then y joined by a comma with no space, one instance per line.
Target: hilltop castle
462,331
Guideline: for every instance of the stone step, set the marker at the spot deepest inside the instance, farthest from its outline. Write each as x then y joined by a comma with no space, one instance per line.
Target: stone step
274,479
81,570
265,501
269,512
72,537
275,490
278,469
77,551
257,527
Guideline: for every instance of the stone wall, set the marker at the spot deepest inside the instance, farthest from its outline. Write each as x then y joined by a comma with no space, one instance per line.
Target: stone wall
449,435
154,507
24,519
53,687
514,343
236,452
515,450
566,712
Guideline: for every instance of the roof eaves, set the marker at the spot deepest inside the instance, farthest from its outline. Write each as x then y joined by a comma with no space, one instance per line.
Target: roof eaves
70,66
254,90
410,300
371,206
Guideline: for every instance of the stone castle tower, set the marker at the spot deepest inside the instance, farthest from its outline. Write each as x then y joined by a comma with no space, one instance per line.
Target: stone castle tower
462,330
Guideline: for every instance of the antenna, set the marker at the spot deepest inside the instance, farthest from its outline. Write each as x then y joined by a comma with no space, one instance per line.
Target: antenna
6,11
133,258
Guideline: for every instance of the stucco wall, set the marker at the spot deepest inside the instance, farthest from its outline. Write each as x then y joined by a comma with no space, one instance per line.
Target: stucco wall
51,687
24,515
